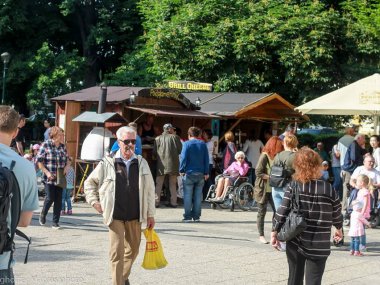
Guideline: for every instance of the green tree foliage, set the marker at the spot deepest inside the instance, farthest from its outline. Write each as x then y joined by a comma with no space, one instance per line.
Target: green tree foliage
86,38
59,73
299,49
296,48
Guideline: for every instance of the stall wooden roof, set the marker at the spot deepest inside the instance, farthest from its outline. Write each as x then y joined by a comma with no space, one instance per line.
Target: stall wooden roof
114,94
266,106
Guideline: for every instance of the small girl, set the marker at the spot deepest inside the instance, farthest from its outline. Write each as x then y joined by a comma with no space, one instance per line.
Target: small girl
66,193
356,231
363,184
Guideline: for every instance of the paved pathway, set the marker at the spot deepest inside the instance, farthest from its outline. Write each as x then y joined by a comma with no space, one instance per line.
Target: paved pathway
222,249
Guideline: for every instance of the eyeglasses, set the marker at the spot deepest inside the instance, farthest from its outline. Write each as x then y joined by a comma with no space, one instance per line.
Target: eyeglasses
126,142
240,157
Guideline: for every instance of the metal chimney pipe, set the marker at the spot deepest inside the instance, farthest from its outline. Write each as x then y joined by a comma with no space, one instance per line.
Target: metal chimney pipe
102,98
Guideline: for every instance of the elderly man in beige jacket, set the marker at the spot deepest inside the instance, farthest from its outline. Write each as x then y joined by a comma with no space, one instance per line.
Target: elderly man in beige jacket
122,189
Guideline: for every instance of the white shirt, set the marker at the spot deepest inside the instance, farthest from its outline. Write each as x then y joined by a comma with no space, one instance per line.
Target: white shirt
376,156
210,148
373,174
343,144
252,149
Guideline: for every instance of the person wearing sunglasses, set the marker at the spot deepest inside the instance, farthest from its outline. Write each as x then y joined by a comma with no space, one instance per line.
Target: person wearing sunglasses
122,189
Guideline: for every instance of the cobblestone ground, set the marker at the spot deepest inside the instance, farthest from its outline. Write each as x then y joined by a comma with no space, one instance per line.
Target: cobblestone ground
222,249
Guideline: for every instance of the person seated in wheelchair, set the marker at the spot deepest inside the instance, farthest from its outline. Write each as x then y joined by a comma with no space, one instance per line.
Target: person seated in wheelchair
238,168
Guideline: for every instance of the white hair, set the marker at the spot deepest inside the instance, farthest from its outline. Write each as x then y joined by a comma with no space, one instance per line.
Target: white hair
124,130
358,136
238,154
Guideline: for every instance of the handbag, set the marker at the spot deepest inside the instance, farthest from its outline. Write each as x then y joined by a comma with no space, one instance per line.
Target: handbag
295,222
61,179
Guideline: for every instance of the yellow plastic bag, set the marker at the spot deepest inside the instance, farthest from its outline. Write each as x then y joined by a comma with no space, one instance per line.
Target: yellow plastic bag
154,255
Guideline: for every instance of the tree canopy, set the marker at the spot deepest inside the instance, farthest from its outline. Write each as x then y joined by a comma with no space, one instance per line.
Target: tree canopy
299,49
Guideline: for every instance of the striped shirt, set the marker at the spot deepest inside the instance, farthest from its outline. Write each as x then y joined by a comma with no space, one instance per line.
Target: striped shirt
321,208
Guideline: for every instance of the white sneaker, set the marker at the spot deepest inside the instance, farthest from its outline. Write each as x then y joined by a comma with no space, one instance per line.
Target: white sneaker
362,248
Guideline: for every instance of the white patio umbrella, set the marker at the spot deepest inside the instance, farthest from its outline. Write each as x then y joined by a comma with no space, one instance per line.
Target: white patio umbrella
359,98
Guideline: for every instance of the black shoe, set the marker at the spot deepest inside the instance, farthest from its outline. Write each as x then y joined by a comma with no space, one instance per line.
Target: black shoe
42,219
126,282
56,226
158,206
171,206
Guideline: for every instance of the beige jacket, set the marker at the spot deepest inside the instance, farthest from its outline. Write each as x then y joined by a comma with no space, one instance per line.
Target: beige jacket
100,187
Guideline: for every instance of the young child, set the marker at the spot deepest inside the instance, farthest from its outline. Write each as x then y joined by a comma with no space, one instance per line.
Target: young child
325,171
356,231
67,191
363,184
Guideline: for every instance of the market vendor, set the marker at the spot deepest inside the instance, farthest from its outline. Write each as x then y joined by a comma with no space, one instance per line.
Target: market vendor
147,131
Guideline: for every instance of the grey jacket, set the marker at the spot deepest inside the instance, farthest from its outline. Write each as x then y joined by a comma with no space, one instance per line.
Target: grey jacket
100,187
167,148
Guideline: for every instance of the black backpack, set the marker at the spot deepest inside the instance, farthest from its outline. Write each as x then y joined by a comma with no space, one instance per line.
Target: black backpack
10,198
279,176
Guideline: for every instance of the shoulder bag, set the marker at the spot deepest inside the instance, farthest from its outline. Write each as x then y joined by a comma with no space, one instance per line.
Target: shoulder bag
295,222
61,179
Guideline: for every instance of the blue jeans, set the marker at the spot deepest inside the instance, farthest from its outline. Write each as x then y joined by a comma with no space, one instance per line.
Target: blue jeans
337,184
277,196
192,195
363,239
355,241
66,199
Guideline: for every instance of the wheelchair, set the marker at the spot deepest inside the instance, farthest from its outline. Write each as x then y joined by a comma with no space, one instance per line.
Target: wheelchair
240,194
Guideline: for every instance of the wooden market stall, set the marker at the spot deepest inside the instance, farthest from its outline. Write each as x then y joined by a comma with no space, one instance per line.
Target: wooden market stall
242,112
220,112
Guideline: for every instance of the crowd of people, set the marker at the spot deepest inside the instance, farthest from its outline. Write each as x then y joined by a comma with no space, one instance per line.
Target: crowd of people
123,189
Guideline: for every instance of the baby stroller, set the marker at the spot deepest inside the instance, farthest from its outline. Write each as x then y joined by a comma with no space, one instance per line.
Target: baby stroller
374,218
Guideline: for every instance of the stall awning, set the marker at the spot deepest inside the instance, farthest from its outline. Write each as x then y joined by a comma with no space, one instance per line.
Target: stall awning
174,113
93,117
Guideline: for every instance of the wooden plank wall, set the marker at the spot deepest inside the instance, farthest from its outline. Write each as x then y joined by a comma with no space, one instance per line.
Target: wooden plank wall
71,128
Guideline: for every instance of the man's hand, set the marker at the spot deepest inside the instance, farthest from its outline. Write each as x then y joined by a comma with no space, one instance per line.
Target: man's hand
206,177
150,222
98,207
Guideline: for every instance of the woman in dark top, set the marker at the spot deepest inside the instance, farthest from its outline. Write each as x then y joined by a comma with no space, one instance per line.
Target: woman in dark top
262,190
307,253
147,131
229,151
286,159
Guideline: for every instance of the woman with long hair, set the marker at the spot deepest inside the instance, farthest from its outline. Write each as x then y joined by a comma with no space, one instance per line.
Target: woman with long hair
262,190
307,253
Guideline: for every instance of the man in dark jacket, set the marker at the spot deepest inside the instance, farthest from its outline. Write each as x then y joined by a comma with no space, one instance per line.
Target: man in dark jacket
353,159
167,148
